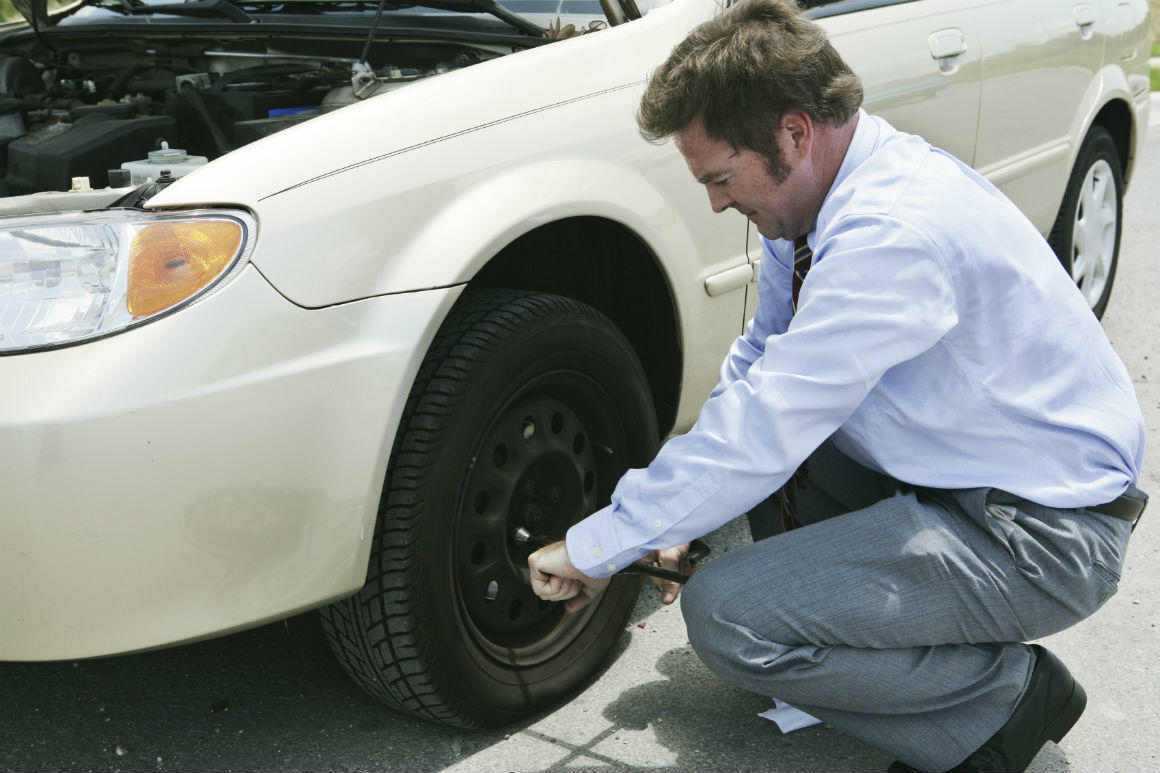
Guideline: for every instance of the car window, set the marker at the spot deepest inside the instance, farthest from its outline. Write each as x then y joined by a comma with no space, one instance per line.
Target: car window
820,9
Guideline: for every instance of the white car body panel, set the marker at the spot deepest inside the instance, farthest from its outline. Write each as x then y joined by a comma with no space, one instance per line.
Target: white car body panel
1026,143
197,476
442,233
222,466
890,49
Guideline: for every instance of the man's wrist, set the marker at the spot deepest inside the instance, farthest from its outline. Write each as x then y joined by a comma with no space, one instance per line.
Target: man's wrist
585,553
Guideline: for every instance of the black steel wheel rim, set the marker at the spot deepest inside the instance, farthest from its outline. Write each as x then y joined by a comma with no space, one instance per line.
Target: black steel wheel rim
547,459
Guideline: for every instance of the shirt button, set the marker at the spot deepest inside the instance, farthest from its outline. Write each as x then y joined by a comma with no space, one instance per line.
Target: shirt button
597,551
658,523
612,567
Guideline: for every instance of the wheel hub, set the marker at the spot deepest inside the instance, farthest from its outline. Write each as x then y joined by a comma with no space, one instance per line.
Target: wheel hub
548,491
536,470
1094,232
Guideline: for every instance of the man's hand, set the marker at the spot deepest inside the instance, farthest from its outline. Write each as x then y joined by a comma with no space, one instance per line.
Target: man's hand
675,559
554,578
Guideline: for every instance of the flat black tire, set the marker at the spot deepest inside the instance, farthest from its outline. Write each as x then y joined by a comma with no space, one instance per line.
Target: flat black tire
1086,234
525,412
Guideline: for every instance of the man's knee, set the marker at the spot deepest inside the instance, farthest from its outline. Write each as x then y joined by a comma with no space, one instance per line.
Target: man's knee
756,654
719,633
701,602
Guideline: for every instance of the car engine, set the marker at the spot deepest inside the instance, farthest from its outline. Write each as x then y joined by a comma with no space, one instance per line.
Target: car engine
83,113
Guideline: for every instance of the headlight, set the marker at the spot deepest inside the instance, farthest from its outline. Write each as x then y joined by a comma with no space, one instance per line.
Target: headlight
69,278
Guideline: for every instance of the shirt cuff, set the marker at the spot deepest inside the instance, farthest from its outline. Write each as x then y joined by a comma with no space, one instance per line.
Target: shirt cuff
593,548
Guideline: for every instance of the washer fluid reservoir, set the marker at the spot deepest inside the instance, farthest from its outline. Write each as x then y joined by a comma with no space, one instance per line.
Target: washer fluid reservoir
174,160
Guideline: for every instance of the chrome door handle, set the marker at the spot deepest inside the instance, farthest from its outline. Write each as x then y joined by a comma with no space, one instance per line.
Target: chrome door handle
1085,19
947,43
728,280
945,47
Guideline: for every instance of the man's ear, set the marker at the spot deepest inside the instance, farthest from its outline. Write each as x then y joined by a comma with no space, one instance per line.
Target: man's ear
798,129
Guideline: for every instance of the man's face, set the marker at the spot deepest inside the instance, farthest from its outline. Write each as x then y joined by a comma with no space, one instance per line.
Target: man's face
741,179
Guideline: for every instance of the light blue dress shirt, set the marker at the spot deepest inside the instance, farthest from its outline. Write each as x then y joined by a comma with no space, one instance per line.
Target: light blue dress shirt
937,338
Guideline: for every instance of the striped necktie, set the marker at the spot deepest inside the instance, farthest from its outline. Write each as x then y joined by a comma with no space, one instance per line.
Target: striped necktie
803,257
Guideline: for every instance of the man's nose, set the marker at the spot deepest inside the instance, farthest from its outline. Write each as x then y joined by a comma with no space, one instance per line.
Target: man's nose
719,200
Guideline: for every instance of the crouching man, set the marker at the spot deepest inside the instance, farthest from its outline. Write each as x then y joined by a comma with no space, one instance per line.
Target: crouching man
969,442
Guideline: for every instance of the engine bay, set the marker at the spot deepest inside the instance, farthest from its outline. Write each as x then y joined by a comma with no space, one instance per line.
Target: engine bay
86,111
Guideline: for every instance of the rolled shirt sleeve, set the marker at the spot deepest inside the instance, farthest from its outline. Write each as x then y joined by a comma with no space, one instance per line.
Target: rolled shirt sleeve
878,295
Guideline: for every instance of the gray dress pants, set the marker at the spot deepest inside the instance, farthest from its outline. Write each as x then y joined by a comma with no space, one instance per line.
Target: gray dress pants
897,618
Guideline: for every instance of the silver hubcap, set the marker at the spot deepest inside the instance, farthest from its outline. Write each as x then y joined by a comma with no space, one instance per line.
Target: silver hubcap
1094,232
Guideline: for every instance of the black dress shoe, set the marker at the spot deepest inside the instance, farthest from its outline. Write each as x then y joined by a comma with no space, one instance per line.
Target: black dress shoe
1050,706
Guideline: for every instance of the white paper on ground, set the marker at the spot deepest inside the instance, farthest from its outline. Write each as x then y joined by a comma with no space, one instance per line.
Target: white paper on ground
787,718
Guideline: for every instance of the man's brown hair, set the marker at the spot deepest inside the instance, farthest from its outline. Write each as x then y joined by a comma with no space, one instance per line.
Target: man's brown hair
741,71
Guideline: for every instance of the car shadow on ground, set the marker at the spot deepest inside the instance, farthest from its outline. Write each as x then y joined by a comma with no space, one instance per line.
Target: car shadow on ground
275,699
272,698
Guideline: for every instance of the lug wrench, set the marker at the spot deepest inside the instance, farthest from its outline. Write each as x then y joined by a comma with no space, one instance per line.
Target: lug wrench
698,551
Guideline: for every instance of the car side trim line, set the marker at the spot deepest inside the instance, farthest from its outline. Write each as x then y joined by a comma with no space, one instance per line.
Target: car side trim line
290,300
1010,169
460,133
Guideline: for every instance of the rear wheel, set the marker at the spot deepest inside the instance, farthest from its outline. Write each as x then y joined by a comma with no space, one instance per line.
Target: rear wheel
525,413
1086,235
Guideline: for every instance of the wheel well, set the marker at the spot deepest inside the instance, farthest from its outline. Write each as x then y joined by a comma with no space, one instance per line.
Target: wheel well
606,265
1116,117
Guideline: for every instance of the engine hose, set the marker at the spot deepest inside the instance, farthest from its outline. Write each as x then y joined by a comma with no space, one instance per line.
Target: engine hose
190,92
118,88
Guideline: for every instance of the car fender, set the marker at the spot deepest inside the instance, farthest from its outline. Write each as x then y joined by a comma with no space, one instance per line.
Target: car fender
443,233
436,236
1109,85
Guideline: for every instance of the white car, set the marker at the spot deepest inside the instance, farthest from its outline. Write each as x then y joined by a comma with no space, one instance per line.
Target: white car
338,365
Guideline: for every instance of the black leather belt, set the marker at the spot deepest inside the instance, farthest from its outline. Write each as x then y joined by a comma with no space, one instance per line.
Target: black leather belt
1128,506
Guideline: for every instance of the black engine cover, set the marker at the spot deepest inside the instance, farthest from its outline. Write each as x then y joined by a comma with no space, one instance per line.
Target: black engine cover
48,159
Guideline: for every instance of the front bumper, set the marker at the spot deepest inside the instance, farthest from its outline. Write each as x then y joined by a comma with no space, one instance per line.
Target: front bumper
209,471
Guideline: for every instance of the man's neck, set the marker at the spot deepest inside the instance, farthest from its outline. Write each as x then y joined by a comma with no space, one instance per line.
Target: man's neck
830,149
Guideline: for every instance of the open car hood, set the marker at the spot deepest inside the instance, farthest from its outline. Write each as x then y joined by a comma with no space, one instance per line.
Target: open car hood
35,12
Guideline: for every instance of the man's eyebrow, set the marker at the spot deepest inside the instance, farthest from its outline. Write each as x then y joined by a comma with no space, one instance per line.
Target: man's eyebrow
708,176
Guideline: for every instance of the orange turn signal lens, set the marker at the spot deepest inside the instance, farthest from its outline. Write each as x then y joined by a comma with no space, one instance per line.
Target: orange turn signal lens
170,262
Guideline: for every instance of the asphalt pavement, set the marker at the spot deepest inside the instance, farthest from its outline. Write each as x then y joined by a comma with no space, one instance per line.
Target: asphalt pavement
274,699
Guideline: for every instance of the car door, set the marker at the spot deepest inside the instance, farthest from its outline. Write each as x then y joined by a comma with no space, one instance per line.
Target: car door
919,61
1039,57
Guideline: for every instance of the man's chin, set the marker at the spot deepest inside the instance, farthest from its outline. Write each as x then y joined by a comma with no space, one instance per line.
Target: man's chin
768,232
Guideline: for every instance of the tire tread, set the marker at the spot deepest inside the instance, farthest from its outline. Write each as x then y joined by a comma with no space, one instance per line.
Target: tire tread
377,634
1098,139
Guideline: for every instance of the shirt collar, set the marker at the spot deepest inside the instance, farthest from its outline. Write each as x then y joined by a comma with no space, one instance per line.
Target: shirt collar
861,145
